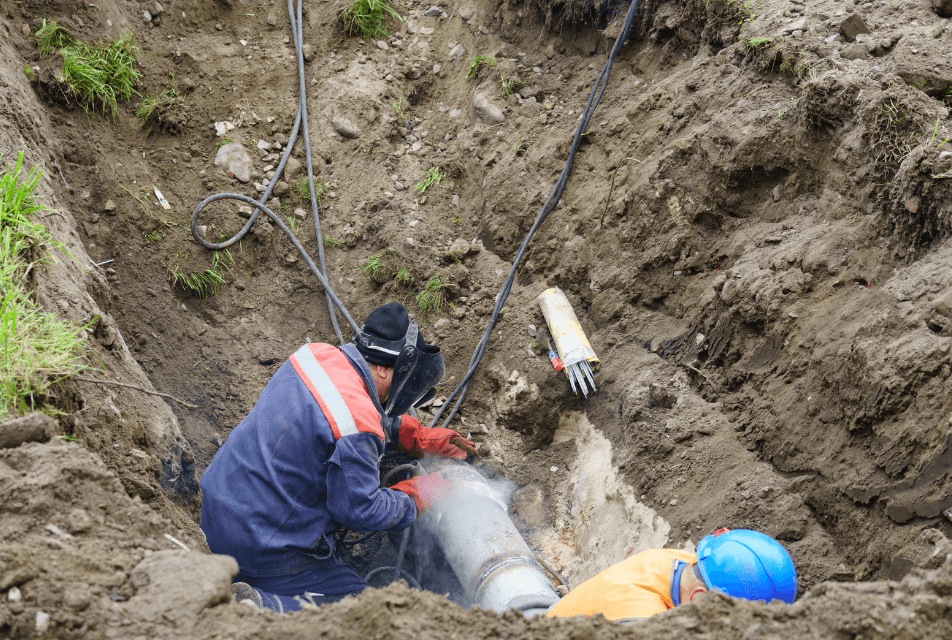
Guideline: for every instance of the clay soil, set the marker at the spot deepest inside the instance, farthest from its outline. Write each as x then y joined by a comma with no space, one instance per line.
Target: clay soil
755,236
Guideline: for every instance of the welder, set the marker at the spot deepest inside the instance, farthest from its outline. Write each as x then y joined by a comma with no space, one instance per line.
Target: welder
303,465
740,563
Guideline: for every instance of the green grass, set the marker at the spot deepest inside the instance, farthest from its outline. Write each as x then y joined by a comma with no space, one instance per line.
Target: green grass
222,143
400,106
432,298
28,71
373,266
207,283
303,190
755,43
509,84
151,108
366,18
96,76
51,38
155,235
403,276
479,62
434,175
330,243
37,348
293,222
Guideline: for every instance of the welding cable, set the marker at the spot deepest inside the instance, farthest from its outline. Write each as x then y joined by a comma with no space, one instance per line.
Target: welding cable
410,579
548,566
383,483
601,83
300,122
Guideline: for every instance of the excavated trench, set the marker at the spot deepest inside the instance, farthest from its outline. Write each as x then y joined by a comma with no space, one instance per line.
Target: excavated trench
755,237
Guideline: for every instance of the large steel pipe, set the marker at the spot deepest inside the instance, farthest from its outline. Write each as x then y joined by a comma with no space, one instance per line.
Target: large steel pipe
488,555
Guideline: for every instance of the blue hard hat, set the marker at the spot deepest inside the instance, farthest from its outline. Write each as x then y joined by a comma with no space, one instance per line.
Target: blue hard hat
747,564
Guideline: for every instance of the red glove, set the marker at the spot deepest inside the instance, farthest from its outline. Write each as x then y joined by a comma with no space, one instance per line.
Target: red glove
425,490
417,440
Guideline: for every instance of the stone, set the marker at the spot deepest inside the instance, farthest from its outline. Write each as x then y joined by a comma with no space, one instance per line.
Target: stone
799,25
272,19
300,213
234,160
436,69
292,168
33,427
79,521
157,9
345,128
852,26
659,396
383,46
466,13
458,52
943,7
485,111
147,16
281,188
432,12
308,52
42,622
174,586
427,31
109,206
136,486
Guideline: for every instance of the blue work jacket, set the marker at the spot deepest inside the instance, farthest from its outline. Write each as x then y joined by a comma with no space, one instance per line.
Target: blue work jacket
302,464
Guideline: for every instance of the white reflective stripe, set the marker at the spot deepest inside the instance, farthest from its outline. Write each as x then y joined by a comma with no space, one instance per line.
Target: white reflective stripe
329,394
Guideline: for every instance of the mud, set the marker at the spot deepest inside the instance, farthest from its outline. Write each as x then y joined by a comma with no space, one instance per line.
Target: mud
755,237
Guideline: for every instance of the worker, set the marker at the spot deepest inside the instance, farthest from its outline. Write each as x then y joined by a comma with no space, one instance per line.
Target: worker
304,463
741,563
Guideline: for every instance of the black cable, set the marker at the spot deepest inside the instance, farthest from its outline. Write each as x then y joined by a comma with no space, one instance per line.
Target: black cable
601,83
300,119
410,579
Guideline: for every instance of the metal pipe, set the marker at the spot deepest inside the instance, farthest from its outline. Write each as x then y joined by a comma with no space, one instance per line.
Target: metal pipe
492,562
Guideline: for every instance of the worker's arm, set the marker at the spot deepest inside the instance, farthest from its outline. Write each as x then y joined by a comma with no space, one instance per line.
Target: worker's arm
354,496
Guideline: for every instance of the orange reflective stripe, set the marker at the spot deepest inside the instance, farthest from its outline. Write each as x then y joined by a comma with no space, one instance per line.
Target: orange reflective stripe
338,389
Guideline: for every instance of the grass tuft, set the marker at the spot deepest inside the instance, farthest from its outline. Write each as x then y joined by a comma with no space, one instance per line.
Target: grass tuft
373,266
150,110
366,18
434,175
97,76
432,298
479,62
207,283
37,348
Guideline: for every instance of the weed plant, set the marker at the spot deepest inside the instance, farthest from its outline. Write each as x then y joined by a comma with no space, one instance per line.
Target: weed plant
432,298
207,283
366,18
479,62
434,175
509,84
403,277
150,110
37,348
373,266
51,38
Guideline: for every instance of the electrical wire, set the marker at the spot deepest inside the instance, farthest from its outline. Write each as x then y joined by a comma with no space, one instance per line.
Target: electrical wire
300,122
601,83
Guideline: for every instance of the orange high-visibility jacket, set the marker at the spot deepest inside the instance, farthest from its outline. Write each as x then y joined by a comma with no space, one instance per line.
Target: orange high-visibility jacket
634,588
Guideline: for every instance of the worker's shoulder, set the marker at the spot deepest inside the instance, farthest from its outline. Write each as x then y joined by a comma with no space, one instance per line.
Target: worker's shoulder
339,389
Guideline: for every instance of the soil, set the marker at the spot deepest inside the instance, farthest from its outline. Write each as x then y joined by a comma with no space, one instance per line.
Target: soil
755,237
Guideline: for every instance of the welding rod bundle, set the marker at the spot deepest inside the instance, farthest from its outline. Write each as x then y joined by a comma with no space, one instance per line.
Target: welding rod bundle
573,346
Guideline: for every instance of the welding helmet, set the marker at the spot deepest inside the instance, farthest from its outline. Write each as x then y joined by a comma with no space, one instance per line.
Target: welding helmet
747,564
389,338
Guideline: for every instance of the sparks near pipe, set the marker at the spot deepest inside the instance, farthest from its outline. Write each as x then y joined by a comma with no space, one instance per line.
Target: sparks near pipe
488,555
575,351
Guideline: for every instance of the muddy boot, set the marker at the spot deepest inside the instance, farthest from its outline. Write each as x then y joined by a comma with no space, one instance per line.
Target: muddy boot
246,594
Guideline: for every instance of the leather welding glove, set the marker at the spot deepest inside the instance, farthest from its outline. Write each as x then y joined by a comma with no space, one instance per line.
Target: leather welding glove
425,490
418,440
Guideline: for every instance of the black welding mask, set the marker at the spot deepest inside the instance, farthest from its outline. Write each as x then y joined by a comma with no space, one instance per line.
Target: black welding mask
418,368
